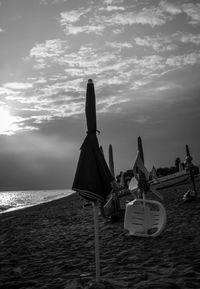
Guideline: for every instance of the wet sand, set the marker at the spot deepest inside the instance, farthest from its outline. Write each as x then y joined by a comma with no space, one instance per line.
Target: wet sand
51,246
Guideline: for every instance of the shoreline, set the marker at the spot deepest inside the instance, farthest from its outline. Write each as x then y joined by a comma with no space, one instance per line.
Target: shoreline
51,246
33,205
40,206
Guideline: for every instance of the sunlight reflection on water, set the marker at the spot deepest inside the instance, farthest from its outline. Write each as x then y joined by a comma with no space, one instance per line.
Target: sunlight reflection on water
10,201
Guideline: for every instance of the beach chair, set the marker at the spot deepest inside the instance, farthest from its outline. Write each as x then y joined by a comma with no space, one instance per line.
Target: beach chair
133,187
144,218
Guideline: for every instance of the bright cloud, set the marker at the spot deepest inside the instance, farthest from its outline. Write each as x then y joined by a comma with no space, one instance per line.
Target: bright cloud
182,60
10,124
7,91
46,2
96,29
156,43
72,16
168,42
170,8
111,103
112,8
18,85
51,48
119,45
150,16
113,2
69,18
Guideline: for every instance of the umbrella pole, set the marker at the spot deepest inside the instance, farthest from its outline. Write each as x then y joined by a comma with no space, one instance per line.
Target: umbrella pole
96,232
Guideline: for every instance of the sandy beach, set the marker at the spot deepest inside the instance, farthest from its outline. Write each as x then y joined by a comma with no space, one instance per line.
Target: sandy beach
52,246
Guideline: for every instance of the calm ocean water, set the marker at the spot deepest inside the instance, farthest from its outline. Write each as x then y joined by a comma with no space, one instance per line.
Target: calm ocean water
15,200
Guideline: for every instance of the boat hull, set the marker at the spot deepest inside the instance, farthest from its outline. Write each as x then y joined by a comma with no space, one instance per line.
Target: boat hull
169,181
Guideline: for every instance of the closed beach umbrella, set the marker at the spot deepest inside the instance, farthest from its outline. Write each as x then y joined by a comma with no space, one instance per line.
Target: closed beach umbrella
111,161
187,151
90,108
140,148
190,169
143,177
141,174
93,177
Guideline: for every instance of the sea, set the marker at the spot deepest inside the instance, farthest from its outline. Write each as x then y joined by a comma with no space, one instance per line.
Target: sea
16,200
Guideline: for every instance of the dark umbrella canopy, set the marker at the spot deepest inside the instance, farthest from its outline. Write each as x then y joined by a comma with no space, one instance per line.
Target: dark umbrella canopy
143,182
140,148
90,108
111,161
92,178
187,151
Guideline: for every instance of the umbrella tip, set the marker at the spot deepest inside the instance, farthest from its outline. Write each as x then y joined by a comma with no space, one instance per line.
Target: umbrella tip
90,81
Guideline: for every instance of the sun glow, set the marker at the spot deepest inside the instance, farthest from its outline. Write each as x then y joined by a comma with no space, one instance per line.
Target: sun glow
7,122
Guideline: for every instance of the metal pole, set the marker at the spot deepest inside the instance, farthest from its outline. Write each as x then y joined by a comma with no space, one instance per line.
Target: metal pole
96,233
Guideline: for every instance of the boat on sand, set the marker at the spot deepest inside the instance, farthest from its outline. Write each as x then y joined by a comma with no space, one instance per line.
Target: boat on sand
169,180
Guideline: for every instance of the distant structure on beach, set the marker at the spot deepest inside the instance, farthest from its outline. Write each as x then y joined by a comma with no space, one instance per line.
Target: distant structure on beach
160,172
127,176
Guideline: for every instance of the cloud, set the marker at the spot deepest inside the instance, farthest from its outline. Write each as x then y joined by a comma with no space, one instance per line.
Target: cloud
88,60
111,62
38,80
170,8
182,60
7,91
18,85
112,8
47,2
190,38
41,101
111,104
49,49
118,45
93,20
148,64
74,30
193,11
110,80
55,100
157,43
139,83
151,16
69,17
112,2
161,43
10,124
61,96
48,52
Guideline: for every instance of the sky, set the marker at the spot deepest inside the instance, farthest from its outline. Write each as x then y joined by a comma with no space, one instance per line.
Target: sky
144,59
